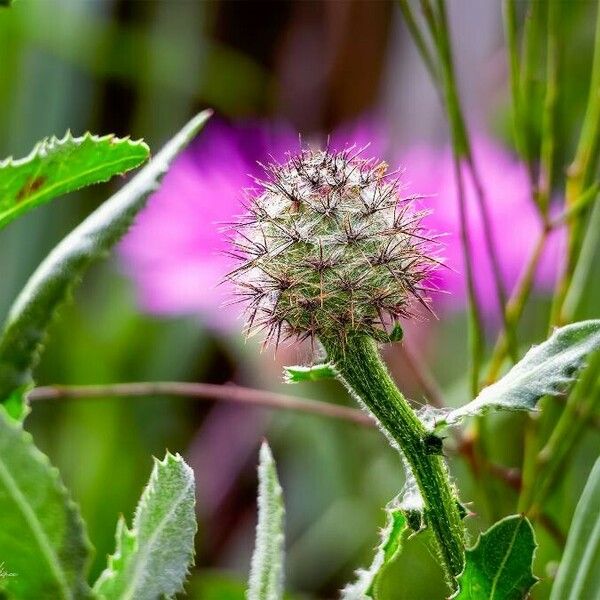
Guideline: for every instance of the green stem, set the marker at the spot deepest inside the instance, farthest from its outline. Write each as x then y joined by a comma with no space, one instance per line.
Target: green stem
580,176
421,43
515,307
530,59
546,174
437,21
581,273
510,27
362,371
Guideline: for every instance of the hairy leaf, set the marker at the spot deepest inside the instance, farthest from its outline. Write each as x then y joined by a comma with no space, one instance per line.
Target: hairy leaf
266,572
152,558
547,369
30,316
368,580
579,570
58,166
44,549
498,567
313,373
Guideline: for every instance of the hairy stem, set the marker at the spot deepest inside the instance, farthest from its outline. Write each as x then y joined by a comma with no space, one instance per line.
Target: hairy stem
362,371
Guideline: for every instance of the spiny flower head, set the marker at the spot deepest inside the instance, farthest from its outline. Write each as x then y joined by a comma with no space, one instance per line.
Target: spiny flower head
329,247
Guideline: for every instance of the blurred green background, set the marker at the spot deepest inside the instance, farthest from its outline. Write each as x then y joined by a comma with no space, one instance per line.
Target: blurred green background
141,68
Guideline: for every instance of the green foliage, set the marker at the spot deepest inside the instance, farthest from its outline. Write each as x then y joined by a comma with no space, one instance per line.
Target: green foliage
313,373
58,166
43,543
152,558
32,313
547,369
369,580
579,570
498,567
266,573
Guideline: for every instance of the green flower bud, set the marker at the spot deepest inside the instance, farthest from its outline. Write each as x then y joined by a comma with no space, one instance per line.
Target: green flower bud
329,247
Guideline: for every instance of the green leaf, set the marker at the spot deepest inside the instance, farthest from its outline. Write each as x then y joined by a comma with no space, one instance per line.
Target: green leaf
266,572
30,316
152,558
498,567
58,166
314,373
579,570
547,369
43,543
369,580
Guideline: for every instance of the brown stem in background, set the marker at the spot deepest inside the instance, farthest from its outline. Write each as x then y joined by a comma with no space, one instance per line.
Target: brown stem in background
203,391
252,397
423,376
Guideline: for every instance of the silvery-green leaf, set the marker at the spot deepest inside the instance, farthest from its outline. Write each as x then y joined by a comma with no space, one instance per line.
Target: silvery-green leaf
368,580
405,512
152,558
579,570
498,567
58,166
547,369
25,329
44,549
266,571
313,373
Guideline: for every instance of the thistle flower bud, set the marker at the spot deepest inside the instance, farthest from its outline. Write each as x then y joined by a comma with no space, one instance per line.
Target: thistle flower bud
328,247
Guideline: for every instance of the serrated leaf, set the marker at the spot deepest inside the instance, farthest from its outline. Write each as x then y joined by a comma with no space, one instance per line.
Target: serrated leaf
43,543
58,166
405,512
547,369
498,567
266,572
313,373
368,580
31,314
152,558
579,570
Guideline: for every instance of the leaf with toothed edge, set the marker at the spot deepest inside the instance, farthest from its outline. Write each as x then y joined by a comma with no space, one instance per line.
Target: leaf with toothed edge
546,370
404,513
30,316
59,166
368,580
152,558
43,542
498,567
266,571
313,373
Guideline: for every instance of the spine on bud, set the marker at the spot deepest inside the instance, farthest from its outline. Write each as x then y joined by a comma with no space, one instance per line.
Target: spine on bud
362,371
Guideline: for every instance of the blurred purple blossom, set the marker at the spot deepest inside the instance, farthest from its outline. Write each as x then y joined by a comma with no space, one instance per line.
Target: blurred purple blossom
174,253
515,220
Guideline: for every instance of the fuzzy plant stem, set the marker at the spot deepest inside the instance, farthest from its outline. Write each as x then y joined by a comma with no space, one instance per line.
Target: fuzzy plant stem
362,371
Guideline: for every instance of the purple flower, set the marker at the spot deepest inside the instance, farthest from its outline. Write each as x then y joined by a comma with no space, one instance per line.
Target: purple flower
175,251
514,218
